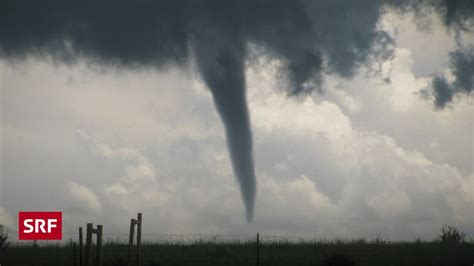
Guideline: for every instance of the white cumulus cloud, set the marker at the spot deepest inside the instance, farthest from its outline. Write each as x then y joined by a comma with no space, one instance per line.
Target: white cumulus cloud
83,198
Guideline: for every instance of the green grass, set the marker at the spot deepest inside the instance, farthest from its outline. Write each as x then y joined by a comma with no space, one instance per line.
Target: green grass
274,253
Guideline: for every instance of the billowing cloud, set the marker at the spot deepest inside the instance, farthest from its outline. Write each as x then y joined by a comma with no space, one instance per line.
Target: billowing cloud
361,174
137,184
83,198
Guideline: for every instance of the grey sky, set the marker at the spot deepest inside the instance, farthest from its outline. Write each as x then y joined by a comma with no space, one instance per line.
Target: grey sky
362,158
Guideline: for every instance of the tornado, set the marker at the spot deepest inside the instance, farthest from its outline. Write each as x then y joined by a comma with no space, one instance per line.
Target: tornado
220,62
311,39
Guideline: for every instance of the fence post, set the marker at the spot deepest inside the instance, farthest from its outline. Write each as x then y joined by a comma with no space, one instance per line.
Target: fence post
99,245
139,236
258,251
87,261
80,247
130,241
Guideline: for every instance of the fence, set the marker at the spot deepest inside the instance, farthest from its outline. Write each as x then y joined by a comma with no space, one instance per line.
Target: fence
83,254
137,248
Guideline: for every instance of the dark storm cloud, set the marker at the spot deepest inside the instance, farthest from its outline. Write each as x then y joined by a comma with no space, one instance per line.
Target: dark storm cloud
458,17
462,66
310,37
441,92
151,33
457,14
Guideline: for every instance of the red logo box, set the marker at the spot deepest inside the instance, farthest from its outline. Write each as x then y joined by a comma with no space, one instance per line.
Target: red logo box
40,226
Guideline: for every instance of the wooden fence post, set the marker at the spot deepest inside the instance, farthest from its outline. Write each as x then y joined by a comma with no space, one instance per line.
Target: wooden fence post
130,241
90,230
80,247
139,236
258,251
87,261
99,245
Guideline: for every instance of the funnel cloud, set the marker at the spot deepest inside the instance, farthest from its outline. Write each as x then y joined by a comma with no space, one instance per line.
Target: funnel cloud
311,38
220,63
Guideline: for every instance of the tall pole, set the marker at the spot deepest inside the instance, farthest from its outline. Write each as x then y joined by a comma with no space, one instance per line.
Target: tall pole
88,244
99,245
130,241
139,236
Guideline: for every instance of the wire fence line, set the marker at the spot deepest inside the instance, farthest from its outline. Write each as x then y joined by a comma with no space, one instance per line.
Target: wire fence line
177,239
191,239
180,239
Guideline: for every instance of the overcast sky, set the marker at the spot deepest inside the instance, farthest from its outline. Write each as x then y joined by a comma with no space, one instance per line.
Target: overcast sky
364,157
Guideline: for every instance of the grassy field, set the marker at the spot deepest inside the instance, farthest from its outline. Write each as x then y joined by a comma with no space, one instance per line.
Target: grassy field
271,253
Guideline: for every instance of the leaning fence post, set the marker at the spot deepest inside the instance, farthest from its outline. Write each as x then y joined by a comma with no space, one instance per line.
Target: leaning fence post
130,241
99,245
87,261
139,236
258,251
80,247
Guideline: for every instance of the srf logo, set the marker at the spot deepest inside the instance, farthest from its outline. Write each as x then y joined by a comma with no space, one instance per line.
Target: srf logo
40,226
